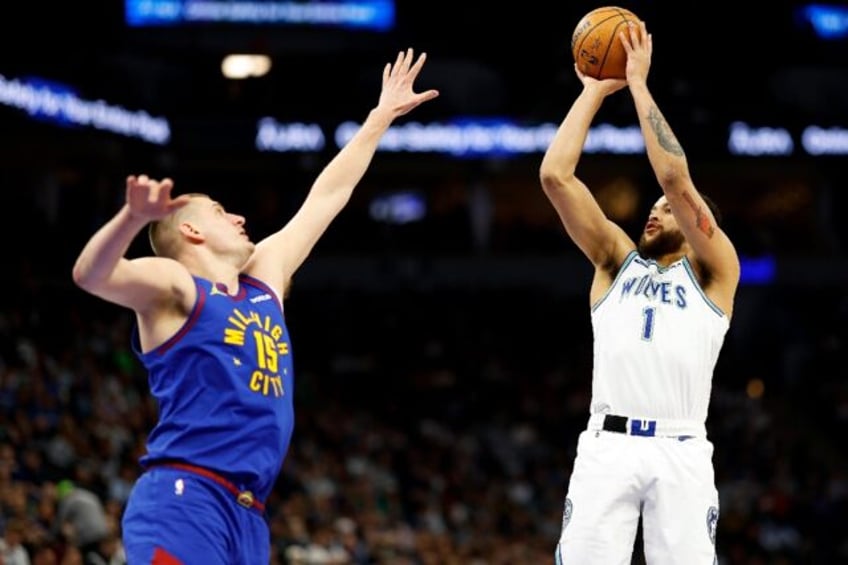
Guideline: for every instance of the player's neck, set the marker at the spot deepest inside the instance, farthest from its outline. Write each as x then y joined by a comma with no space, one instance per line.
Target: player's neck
215,269
669,258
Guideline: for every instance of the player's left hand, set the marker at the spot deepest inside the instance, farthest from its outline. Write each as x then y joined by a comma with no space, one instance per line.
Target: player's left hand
639,46
398,94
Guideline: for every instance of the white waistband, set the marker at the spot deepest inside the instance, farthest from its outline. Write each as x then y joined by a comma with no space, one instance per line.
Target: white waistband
653,427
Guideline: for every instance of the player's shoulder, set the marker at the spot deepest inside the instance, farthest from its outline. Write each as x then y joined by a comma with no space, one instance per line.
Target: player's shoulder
622,261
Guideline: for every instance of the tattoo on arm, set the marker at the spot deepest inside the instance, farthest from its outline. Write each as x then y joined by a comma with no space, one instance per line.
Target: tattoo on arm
663,132
702,219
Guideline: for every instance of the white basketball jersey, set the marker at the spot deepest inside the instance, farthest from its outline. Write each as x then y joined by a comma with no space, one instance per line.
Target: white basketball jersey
657,340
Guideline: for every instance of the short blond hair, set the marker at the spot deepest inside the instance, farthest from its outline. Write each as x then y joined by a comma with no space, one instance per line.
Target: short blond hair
163,234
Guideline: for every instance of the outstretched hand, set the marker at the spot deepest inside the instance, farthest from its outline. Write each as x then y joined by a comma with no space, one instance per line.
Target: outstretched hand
150,199
398,95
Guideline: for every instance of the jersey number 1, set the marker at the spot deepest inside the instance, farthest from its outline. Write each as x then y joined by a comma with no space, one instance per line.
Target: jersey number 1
648,323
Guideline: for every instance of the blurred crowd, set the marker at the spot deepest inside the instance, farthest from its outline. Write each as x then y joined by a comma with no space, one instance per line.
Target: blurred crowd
433,428
436,423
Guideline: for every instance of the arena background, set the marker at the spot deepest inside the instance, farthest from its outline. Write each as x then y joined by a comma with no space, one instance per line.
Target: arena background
440,329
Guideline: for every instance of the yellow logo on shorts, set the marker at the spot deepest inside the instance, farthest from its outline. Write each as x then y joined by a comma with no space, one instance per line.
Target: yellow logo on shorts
245,499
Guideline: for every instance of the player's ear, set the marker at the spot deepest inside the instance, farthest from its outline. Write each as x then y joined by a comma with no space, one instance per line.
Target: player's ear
190,232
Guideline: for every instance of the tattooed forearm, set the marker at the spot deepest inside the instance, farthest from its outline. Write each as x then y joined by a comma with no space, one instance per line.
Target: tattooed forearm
663,132
702,219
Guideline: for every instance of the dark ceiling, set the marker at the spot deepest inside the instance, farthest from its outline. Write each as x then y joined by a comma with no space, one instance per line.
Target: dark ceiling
714,62
486,57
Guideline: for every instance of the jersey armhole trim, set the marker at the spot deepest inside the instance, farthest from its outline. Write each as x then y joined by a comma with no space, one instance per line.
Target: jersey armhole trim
166,345
688,266
256,283
627,260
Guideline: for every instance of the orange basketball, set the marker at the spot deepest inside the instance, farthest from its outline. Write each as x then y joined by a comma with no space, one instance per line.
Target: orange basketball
595,44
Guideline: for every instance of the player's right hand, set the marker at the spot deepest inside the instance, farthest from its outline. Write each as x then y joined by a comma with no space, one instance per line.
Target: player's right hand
605,86
398,94
150,200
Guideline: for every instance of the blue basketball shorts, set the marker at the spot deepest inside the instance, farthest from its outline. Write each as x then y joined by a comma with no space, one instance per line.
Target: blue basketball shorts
175,517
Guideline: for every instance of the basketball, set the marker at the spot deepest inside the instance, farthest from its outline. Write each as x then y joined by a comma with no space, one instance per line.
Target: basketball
595,44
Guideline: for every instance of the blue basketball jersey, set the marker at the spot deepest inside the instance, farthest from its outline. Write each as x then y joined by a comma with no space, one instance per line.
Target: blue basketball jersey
224,386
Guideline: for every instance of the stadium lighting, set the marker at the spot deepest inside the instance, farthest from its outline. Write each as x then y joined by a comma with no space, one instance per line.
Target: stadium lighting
245,66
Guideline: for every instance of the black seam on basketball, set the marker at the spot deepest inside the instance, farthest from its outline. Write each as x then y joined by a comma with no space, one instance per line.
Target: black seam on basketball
624,13
590,30
609,46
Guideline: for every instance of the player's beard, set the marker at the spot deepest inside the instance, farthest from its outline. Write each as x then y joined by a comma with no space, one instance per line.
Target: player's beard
665,243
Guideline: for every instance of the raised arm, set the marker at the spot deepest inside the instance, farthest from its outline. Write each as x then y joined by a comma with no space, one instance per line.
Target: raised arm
714,253
101,268
277,257
602,241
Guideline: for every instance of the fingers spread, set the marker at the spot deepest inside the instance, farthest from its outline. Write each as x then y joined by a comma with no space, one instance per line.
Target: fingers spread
407,60
416,68
428,95
398,63
634,33
625,41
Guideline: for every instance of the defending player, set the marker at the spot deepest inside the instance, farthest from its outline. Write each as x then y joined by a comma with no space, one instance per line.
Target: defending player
212,333
660,311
